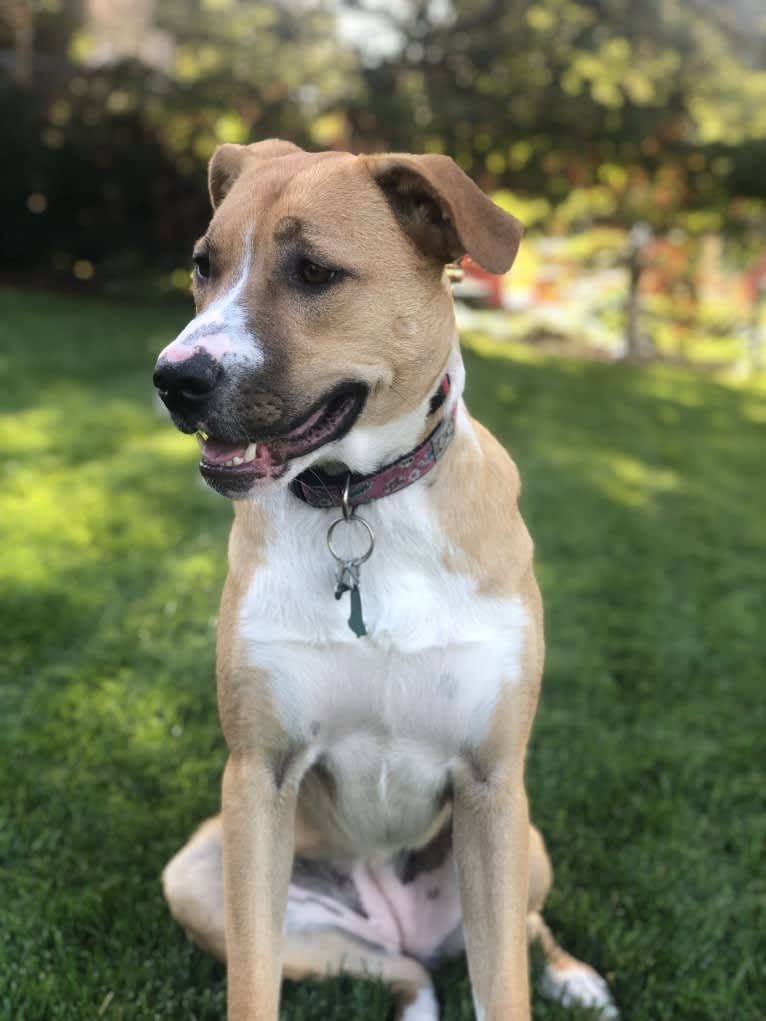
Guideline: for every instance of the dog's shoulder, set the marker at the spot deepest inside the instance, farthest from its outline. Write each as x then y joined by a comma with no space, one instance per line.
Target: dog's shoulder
477,501
247,552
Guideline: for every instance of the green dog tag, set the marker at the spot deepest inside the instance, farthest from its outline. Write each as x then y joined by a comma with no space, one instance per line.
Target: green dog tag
356,620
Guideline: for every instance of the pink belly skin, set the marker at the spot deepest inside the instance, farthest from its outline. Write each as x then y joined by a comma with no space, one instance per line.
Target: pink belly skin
409,905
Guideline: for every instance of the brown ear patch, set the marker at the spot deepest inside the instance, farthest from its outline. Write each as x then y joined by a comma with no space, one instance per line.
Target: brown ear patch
419,211
228,162
444,212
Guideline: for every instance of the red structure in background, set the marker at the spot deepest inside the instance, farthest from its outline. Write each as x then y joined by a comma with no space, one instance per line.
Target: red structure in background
491,284
755,280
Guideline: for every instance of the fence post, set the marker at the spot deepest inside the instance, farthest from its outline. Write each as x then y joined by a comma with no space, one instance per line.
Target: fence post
755,334
639,236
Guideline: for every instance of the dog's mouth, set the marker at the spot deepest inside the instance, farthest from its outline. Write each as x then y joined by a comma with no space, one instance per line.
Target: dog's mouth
233,467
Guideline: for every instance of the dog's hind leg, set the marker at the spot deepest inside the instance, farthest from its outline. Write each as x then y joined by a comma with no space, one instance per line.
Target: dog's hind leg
571,982
339,922
192,882
328,931
327,952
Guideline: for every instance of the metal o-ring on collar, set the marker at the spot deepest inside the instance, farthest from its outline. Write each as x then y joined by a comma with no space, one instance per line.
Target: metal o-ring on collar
350,516
355,561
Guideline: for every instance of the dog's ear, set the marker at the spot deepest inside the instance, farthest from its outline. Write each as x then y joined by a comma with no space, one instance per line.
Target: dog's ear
229,160
444,212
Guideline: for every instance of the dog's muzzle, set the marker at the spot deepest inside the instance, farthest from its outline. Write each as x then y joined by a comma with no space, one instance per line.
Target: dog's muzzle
249,433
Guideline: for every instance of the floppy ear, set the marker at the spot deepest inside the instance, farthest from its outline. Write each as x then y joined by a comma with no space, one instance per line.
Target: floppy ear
229,160
444,212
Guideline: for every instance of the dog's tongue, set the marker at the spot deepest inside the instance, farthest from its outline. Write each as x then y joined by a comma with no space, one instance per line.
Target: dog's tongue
216,452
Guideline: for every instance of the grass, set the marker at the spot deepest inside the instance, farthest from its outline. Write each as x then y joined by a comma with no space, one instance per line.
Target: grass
645,491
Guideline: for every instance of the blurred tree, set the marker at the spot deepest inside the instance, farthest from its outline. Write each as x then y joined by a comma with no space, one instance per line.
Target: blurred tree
644,106
575,110
241,71
114,131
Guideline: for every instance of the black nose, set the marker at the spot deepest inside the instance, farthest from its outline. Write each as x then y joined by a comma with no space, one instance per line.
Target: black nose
189,382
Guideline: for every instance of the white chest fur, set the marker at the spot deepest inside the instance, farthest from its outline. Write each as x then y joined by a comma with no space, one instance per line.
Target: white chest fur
387,712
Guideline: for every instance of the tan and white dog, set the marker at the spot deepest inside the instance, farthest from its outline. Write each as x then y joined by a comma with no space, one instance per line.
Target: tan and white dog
377,693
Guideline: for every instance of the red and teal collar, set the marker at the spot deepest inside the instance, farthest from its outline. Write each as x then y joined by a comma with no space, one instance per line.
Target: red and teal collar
319,488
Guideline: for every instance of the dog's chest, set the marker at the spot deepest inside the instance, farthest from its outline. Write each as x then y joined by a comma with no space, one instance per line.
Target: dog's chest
391,710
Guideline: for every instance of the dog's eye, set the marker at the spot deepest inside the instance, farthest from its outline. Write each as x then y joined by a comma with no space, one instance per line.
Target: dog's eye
201,265
313,274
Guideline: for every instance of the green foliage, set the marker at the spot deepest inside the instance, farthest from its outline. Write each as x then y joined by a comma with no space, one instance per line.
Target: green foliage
115,154
644,491
589,110
642,107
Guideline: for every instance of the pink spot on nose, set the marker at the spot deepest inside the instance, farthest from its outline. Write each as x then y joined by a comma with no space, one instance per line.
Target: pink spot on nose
216,345
176,352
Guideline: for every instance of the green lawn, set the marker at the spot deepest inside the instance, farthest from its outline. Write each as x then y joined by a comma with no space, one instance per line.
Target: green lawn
645,489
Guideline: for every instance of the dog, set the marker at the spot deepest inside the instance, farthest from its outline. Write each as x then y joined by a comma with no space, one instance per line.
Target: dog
380,636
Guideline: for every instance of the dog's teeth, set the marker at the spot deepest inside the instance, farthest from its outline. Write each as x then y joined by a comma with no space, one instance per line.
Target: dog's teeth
200,438
236,460
250,452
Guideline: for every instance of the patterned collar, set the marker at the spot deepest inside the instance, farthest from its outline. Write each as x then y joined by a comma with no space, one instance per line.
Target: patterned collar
319,488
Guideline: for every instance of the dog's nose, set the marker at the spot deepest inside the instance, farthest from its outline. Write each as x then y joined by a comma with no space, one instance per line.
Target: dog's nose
188,382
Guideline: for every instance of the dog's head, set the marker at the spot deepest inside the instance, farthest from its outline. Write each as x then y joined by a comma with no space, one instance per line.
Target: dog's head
324,319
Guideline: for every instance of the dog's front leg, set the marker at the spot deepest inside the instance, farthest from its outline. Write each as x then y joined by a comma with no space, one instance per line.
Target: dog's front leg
258,810
491,839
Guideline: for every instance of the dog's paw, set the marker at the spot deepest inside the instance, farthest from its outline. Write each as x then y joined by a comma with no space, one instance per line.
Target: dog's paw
575,984
423,1008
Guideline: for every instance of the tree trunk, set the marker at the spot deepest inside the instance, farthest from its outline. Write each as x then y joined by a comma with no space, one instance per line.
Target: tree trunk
632,340
639,237
18,14
755,337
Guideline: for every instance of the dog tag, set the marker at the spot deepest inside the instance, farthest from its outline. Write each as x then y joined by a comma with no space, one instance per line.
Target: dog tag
348,581
356,620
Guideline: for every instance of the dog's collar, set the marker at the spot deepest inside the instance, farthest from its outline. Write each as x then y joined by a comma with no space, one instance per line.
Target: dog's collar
319,488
